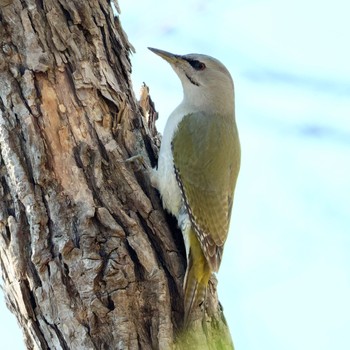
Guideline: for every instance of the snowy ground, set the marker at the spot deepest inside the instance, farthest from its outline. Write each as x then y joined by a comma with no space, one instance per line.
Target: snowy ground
285,277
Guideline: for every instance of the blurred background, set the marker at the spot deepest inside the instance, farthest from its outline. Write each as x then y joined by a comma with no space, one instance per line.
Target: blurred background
284,281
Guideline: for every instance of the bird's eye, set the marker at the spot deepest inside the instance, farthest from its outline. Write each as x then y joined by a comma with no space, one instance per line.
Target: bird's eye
197,65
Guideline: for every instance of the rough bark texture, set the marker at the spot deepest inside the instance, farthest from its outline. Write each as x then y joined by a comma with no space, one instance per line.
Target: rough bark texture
88,257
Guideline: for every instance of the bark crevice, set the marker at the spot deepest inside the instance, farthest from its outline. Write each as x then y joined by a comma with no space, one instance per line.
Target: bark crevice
88,257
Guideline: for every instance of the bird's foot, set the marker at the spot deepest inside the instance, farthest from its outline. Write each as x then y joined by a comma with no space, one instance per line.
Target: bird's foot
139,161
141,164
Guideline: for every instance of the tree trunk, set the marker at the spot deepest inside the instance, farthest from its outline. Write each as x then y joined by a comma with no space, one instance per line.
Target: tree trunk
88,257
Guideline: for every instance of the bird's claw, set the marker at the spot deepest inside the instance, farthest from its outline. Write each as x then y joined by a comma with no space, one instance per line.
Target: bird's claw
139,160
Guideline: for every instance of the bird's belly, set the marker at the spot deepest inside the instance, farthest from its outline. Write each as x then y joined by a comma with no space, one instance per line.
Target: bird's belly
167,184
165,175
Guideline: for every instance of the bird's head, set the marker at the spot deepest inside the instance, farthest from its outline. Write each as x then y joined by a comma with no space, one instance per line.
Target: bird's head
206,81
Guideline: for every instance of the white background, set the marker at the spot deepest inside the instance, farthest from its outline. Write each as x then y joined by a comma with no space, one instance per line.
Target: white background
285,277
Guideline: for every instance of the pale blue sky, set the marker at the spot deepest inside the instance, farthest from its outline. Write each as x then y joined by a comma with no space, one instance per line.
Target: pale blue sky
285,278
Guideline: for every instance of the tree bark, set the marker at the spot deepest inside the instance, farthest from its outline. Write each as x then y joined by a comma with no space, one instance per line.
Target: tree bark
88,257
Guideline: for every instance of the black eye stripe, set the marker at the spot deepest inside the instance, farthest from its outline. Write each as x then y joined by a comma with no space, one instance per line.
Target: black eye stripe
197,65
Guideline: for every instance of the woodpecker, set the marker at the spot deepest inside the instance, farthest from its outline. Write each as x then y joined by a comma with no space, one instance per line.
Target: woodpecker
198,166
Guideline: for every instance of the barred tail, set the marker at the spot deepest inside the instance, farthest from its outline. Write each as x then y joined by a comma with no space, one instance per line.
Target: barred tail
197,277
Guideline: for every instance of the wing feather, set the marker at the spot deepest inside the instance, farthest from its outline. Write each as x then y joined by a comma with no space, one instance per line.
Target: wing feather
206,155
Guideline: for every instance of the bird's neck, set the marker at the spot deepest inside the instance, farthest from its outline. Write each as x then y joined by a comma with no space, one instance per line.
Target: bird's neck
209,101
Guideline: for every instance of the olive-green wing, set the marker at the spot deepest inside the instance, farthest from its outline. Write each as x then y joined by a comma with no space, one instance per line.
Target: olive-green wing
206,153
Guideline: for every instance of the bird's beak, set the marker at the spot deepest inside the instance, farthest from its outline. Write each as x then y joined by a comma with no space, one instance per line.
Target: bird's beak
169,57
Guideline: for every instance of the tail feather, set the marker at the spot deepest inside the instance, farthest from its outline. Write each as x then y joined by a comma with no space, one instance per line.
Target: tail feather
197,277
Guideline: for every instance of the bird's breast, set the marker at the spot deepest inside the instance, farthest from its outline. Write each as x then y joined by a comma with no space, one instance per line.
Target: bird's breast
167,183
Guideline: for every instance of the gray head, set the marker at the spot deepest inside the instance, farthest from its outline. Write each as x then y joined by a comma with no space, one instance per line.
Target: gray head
206,82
